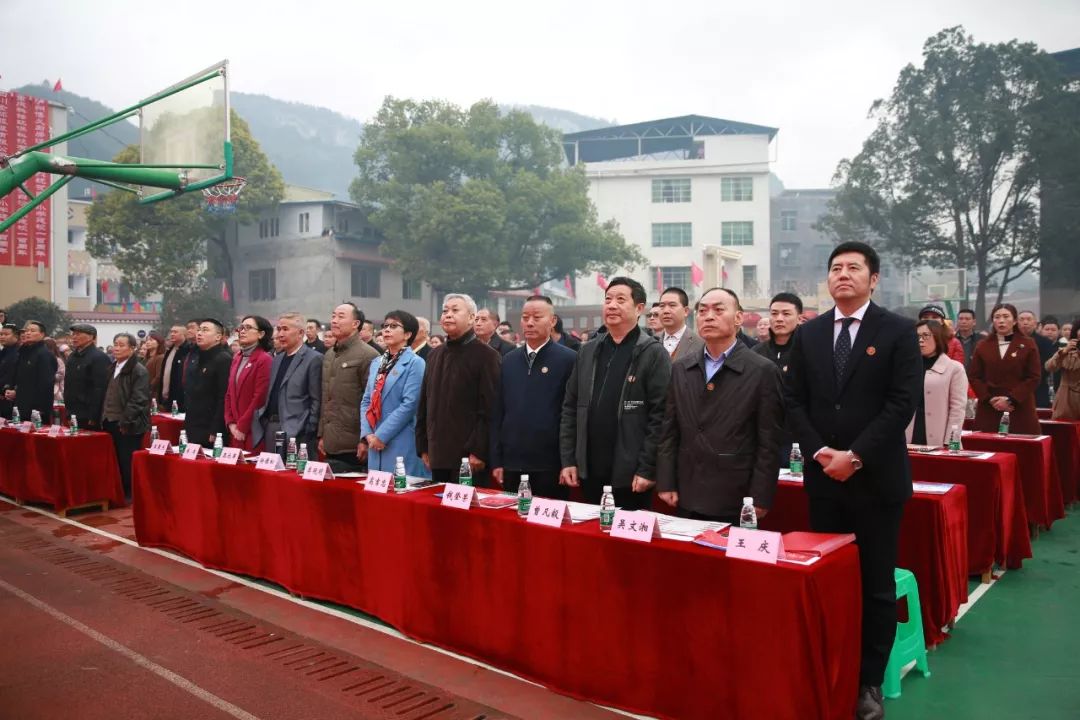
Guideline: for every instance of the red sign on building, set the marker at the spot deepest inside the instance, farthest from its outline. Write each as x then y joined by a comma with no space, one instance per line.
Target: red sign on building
24,121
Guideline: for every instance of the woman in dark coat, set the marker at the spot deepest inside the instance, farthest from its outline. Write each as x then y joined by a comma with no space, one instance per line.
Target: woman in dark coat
1004,372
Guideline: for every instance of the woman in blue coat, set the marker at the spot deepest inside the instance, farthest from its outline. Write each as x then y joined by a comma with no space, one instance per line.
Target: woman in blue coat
388,409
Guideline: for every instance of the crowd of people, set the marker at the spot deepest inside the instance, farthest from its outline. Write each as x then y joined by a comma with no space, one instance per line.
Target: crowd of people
703,416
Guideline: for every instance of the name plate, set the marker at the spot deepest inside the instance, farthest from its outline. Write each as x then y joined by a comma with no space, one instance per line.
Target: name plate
459,496
54,430
160,447
379,481
26,426
3,422
318,471
270,461
553,513
640,525
192,452
229,456
757,545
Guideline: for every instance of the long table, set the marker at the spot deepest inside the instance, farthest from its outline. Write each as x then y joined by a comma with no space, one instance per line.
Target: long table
1036,468
1066,437
65,472
168,428
933,545
665,628
997,522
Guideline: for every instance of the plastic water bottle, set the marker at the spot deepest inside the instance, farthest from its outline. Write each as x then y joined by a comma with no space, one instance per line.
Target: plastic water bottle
219,445
301,458
35,417
524,498
465,473
400,480
954,439
153,406
290,456
182,445
1003,424
73,428
175,409
607,509
15,419
154,433
748,515
795,462
1052,393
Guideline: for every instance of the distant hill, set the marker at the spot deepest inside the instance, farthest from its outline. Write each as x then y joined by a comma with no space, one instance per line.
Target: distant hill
311,146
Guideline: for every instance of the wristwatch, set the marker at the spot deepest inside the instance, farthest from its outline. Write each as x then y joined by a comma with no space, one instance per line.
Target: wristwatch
855,461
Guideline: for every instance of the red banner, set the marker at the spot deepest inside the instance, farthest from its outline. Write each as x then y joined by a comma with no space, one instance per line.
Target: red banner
24,121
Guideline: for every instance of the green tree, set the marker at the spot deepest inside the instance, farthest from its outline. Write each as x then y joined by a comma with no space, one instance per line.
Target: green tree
949,176
34,308
475,200
163,247
199,301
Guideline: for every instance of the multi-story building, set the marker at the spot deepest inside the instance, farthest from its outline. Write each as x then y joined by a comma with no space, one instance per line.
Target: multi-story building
692,193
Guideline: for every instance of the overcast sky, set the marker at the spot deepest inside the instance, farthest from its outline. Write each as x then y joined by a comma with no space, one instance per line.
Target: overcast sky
809,68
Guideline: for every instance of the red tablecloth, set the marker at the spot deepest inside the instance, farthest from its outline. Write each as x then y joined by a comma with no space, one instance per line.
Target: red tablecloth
1044,413
65,472
666,628
933,545
168,428
1066,436
997,523
1036,467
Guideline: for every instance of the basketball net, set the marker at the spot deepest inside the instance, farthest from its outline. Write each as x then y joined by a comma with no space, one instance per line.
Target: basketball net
221,199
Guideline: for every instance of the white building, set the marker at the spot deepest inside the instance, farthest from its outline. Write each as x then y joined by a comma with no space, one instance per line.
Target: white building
692,193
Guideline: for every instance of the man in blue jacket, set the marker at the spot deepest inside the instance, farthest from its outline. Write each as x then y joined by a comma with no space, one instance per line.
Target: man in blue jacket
527,413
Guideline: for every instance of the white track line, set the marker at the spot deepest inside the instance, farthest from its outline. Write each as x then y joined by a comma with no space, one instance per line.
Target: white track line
183,683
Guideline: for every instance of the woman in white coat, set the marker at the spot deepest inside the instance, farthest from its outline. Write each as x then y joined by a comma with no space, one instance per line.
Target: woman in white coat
945,387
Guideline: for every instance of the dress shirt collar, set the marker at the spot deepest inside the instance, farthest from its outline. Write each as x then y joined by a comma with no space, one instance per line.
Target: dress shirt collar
723,355
858,314
530,349
120,366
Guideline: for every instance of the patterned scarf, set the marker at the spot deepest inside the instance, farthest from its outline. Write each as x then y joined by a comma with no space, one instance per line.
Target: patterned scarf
374,411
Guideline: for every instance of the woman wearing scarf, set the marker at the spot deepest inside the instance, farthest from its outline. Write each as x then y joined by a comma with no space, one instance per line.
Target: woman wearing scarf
1067,360
388,409
1004,371
249,380
945,387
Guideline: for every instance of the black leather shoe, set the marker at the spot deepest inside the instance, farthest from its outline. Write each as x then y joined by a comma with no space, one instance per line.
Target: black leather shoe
871,705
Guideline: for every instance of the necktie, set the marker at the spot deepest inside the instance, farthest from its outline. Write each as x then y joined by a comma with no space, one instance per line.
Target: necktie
531,358
842,351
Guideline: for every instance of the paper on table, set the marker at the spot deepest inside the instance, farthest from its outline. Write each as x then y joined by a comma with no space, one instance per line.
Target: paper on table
177,416
582,512
932,488
685,529
349,475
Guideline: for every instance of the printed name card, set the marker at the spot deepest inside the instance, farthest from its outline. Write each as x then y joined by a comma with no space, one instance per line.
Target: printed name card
459,496
757,545
640,525
3,422
270,461
191,452
229,456
318,471
379,481
26,427
159,447
552,513
54,430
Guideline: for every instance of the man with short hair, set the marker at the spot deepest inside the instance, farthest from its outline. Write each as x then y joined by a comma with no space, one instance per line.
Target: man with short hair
484,325
453,417
762,330
677,339
559,335
292,404
525,422
966,334
1028,324
9,360
344,379
937,313
420,344
35,374
652,320
126,405
506,331
311,335
784,311
172,368
723,420
86,378
367,334
613,410
206,383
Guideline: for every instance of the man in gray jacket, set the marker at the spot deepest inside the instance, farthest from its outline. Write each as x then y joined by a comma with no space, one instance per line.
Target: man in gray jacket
295,396
614,405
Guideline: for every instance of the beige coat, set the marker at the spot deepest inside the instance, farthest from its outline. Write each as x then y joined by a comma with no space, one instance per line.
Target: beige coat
1067,397
344,378
945,389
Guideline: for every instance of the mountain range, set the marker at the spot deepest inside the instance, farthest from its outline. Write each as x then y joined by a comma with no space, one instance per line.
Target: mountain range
311,146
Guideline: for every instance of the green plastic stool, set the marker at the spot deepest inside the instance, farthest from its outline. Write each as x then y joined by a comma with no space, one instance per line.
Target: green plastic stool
910,644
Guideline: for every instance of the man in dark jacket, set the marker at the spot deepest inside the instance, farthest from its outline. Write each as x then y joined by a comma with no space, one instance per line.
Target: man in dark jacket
559,335
613,410
86,378
725,412
205,385
485,324
1028,324
126,409
525,422
35,374
453,417
172,368
311,336
9,360
784,311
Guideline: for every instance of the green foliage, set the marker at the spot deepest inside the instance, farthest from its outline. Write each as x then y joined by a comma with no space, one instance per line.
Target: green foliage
197,302
476,200
162,247
949,176
35,308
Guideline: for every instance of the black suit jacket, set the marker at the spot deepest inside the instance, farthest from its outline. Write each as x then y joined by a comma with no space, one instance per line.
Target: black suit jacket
86,378
205,395
34,378
867,412
501,345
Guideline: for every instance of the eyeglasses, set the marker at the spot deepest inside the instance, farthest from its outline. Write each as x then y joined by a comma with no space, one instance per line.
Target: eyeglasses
248,327
391,325
924,338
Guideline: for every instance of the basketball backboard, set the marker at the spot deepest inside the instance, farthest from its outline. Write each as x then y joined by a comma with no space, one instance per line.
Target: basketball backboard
929,285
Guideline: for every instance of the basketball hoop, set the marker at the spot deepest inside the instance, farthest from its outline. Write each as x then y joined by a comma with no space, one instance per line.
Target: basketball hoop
221,199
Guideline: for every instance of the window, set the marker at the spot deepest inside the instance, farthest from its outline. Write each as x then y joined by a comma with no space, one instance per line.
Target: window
568,323
343,225
676,190
71,237
737,189
262,228
674,276
789,255
304,222
787,220
262,285
821,256
671,235
79,286
410,289
274,230
268,228
737,233
749,281
365,281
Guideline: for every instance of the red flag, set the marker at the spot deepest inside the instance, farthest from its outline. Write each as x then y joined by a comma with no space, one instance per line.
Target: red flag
723,271
569,286
225,291
659,279
58,86
697,275
601,281
104,286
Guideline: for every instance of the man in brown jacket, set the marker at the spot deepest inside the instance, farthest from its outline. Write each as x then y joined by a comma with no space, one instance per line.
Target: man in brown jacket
344,377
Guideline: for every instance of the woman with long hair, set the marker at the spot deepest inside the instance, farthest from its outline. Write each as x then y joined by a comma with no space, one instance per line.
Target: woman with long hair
61,370
1004,371
945,387
154,351
249,379
1067,360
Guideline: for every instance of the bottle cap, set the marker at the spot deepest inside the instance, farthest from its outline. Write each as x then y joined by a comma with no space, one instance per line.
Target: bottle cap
607,488
794,446
303,446
464,460
748,501
524,478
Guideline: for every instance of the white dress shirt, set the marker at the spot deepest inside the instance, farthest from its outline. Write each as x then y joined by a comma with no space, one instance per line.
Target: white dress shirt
119,367
672,341
853,329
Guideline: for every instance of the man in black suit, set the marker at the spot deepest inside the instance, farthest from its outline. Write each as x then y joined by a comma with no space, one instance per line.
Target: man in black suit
1028,324
311,336
205,385
559,335
86,378
855,376
420,344
485,325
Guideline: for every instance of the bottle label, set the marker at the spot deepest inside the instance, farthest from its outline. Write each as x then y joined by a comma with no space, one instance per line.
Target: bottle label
300,465
290,459
607,518
954,445
217,451
1003,429
399,482
465,480
523,505
795,467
